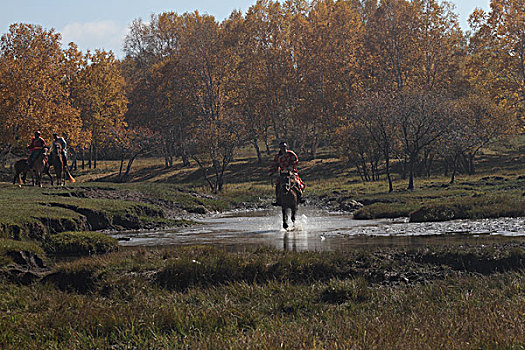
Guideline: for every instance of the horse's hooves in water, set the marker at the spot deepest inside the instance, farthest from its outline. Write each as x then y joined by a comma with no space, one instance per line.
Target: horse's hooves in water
285,226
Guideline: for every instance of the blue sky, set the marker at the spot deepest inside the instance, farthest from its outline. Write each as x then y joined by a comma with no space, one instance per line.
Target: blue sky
103,24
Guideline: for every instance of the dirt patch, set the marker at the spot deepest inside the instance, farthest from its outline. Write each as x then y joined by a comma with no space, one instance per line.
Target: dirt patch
26,268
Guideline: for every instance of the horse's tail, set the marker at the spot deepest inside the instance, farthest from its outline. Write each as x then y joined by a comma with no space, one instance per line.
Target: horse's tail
69,177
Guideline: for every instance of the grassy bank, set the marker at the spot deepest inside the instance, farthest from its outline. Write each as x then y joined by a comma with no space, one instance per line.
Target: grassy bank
33,213
206,298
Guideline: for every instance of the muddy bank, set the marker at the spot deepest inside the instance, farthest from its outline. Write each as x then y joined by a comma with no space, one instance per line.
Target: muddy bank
85,219
387,267
176,269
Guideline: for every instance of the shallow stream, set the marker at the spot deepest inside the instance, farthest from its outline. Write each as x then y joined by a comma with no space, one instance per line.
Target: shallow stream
318,230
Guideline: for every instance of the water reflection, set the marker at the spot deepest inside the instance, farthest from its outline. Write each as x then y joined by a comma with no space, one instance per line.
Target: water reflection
317,230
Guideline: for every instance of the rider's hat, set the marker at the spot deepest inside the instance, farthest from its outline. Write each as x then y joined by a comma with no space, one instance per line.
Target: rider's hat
55,134
283,144
37,133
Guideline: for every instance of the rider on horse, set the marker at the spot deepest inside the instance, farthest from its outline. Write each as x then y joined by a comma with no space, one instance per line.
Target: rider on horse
35,148
60,141
286,160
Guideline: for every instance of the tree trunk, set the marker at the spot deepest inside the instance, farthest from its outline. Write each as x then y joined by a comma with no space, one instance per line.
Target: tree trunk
388,176
90,155
258,150
314,146
454,168
411,174
74,161
83,157
404,168
166,154
471,170
430,160
185,158
95,154
125,177
268,152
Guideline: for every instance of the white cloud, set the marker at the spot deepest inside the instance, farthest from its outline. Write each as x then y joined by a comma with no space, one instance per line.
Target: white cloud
105,35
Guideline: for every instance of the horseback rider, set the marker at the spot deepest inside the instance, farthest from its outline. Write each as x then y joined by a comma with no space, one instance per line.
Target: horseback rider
35,148
286,160
60,141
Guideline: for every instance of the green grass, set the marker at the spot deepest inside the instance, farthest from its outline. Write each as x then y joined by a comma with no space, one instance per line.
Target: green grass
79,243
116,301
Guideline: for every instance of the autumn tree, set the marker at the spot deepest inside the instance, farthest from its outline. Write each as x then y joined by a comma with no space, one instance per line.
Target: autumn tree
208,60
157,82
248,96
412,44
98,92
268,23
356,145
34,89
483,121
326,46
496,64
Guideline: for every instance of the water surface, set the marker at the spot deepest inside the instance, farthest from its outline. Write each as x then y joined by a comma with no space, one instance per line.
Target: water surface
318,230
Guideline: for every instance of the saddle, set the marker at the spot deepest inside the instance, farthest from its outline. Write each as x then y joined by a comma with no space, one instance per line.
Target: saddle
288,181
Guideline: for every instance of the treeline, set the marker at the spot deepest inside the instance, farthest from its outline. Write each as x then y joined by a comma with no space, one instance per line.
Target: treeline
380,80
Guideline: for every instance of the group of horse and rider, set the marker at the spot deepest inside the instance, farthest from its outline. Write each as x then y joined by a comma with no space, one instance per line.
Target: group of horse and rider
289,186
40,159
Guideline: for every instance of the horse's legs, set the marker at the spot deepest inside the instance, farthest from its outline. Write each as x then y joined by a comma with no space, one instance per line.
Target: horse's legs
285,219
293,215
58,172
46,170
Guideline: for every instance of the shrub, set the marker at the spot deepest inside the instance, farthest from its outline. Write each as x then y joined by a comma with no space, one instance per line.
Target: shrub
341,291
80,243
82,275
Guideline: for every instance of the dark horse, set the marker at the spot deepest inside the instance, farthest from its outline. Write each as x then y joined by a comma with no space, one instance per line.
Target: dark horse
56,160
39,167
288,195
